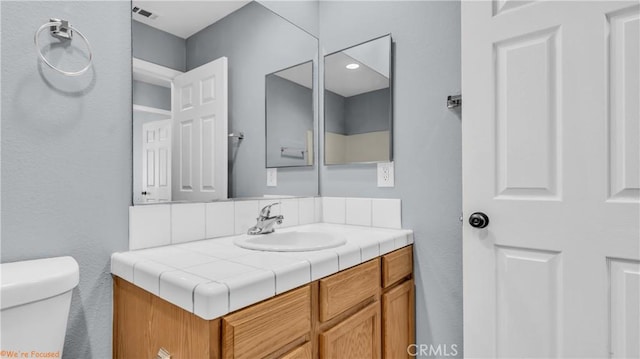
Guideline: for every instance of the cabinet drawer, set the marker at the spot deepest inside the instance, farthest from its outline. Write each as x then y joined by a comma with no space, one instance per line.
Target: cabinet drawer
358,336
397,265
268,326
344,290
301,352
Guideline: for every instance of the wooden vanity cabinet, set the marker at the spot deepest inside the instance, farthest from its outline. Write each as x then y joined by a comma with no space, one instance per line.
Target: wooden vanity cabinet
367,311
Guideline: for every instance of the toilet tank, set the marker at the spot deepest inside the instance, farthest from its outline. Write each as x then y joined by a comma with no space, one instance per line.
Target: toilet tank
35,298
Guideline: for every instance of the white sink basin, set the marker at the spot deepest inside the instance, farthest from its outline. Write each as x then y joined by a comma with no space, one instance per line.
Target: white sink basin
290,241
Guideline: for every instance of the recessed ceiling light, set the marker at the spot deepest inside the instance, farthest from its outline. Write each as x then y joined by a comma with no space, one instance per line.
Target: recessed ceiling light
352,66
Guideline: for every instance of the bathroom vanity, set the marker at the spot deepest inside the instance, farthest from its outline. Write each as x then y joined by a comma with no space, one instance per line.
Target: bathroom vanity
365,310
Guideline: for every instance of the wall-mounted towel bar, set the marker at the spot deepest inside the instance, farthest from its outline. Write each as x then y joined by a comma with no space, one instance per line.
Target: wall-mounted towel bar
239,135
292,152
454,101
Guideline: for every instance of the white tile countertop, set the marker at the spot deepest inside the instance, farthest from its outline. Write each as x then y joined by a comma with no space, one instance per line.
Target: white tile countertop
213,277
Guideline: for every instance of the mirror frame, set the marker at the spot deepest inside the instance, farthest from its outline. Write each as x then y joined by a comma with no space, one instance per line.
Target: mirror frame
313,115
324,103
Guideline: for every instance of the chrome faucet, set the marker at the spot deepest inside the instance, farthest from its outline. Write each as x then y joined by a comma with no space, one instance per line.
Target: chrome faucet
265,221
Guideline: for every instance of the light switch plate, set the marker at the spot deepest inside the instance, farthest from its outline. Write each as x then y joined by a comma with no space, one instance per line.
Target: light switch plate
386,175
272,177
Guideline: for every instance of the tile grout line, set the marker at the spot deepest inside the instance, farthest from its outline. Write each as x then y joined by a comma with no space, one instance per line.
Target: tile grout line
171,224
205,221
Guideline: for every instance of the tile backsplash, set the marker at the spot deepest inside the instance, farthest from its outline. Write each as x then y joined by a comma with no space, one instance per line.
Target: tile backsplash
164,224
371,212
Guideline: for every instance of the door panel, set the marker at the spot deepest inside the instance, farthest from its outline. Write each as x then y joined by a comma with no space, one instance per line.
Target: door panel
551,153
624,125
527,116
209,165
528,300
625,311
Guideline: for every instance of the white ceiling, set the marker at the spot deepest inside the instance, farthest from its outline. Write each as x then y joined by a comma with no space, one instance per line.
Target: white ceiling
185,18
344,82
375,53
301,74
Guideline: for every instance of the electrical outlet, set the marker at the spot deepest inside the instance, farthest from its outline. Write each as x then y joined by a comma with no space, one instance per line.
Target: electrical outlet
272,177
385,175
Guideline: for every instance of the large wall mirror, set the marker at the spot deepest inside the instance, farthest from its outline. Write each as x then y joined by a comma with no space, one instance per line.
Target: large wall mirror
207,76
358,104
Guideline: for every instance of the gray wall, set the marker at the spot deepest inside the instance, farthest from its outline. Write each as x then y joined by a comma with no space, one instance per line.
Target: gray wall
66,154
289,117
427,144
257,42
302,13
66,148
151,95
367,112
158,47
334,113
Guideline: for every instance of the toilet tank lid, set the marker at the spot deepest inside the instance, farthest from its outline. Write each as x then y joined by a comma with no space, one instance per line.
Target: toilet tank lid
29,281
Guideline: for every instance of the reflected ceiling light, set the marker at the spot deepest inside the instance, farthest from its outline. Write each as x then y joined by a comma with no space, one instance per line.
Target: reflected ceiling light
352,66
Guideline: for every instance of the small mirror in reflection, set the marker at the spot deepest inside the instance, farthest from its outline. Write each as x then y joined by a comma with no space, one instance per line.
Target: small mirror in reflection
289,116
358,103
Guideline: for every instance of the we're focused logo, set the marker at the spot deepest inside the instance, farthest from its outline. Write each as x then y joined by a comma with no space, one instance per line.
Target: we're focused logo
432,350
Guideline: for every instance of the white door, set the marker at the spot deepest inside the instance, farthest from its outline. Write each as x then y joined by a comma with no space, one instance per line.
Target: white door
551,154
156,161
199,108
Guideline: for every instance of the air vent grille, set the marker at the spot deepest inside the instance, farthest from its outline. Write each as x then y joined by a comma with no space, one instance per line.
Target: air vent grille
143,12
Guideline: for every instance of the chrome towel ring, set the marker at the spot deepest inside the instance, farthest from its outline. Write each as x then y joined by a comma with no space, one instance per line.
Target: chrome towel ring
61,29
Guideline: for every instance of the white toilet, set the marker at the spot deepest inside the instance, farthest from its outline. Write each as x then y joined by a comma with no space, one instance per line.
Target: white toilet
35,298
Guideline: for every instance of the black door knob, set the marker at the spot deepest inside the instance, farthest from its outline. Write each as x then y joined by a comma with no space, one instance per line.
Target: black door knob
479,220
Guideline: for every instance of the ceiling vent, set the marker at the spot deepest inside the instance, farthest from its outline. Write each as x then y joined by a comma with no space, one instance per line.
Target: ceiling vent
143,12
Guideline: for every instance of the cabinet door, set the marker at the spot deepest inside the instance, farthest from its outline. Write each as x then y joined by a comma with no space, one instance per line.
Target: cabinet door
398,320
358,336
301,352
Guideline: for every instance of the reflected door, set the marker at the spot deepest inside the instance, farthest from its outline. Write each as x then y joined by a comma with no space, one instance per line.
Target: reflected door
156,161
551,154
199,108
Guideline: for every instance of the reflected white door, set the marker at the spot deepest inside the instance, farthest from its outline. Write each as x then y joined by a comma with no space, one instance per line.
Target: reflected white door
551,153
156,161
199,107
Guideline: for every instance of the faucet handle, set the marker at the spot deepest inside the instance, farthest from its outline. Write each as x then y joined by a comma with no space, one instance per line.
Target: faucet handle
266,211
